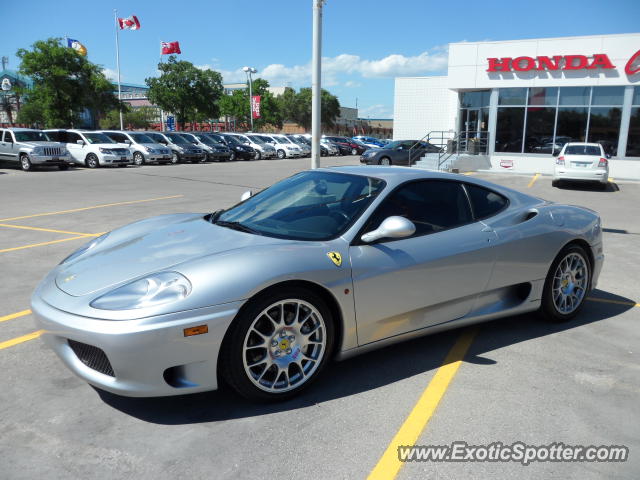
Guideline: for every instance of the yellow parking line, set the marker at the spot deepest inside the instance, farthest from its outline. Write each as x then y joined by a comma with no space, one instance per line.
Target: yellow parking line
389,465
469,173
15,315
44,243
22,339
533,180
617,302
611,180
22,227
90,208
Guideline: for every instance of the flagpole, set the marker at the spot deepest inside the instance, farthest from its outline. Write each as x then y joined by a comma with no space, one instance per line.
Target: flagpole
115,18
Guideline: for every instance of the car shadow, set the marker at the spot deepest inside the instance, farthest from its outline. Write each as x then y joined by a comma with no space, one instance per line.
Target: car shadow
588,186
365,372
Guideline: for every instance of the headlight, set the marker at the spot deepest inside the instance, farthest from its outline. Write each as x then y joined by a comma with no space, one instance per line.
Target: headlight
37,150
156,289
106,150
147,149
64,151
85,248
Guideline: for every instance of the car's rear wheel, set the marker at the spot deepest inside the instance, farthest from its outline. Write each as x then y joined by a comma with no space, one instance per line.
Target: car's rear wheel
385,161
25,163
138,159
175,158
566,285
92,161
277,345
354,151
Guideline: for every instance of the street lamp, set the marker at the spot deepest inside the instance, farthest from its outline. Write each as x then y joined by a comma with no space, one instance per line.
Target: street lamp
249,71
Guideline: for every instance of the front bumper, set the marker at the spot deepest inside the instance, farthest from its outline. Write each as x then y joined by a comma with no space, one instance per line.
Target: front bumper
50,160
149,357
581,174
157,158
245,155
108,159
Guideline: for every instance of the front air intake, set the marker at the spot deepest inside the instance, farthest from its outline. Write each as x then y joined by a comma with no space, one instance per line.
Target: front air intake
92,357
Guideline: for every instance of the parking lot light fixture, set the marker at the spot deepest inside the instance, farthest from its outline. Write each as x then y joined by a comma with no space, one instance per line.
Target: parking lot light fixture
249,71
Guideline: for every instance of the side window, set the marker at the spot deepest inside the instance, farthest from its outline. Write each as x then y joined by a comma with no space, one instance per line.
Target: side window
485,203
117,137
73,137
432,205
7,137
55,136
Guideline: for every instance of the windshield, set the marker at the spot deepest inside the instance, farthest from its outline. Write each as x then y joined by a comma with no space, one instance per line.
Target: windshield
308,206
232,140
97,138
393,145
257,139
207,140
156,137
191,139
582,150
31,136
140,138
175,138
282,140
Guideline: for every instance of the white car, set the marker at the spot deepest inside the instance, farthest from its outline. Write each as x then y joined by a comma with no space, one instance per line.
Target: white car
92,149
582,162
285,148
263,149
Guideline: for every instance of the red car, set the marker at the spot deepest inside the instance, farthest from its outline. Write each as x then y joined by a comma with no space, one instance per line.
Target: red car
356,149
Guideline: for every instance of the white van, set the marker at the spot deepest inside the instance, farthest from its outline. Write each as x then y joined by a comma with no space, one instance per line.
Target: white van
92,149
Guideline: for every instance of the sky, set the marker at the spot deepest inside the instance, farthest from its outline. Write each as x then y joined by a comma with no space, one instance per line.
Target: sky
366,44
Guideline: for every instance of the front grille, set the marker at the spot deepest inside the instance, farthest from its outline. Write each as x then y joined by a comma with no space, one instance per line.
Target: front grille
92,357
120,151
52,151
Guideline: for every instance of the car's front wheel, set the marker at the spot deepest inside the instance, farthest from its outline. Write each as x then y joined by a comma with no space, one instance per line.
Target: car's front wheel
175,159
278,345
25,163
567,284
281,154
138,159
354,151
232,157
385,161
92,161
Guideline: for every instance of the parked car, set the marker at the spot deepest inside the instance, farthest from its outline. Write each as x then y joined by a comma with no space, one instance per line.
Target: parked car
285,148
263,149
585,162
32,148
376,142
216,151
400,152
92,149
264,144
327,263
238,149
304,146
354,148
330,147
184,149
160,139
143,148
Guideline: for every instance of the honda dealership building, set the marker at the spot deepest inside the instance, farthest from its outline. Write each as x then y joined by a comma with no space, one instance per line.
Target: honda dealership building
514,103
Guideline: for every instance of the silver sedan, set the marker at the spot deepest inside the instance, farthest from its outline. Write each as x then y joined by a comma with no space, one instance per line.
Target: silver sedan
325,264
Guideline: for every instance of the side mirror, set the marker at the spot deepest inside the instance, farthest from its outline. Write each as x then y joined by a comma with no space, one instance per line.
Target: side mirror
80,142
246,195
391,227
127,141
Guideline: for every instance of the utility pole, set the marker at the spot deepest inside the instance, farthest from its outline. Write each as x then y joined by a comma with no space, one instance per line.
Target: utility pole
316,87
249,71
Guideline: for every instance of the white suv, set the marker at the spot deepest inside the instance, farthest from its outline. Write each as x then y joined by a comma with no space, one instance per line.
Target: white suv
92,149
285,148
582,162
30,148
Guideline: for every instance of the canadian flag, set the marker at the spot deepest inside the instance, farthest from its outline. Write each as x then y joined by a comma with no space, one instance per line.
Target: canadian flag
129,23
170,47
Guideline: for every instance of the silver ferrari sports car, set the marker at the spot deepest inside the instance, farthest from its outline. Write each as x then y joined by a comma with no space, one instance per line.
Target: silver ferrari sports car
325,264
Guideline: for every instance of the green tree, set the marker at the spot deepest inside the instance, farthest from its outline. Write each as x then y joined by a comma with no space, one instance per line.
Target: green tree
237,105
65,83
296,107
186,91
135,118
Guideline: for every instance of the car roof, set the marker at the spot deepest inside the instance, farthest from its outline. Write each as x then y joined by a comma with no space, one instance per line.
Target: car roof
582,144
20,129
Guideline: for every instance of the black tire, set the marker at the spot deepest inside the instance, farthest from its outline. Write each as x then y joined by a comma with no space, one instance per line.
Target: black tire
231,356
232,157
92,161
63,167
138,159
175,159
548,307
281,154
354,151
258,155
384,161
25,163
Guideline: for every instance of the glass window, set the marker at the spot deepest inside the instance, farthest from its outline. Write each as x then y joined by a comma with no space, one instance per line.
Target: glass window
604,127
512,96
636,96
543,96
607,96
582,150
633,141
479,98
73,137
485,203
30,136
312,205
140,138
572,124
574,95
95,137
509,129
431,205
539,136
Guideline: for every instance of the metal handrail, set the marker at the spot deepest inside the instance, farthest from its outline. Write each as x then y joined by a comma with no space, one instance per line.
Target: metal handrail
451,143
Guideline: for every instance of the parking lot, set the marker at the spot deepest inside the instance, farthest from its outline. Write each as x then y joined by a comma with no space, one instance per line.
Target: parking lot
515,379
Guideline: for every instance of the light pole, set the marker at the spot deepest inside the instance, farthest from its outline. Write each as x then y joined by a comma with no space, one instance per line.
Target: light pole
316,91
249,71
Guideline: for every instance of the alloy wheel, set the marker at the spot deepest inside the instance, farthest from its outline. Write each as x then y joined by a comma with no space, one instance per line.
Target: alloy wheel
570,283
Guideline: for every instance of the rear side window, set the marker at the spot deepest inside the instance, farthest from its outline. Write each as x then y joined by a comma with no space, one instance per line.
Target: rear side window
484,202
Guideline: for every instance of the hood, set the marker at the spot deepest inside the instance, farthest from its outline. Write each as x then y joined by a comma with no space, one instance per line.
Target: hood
149,246
40,144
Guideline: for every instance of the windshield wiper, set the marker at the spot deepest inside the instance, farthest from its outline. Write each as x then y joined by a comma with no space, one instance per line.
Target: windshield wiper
237,226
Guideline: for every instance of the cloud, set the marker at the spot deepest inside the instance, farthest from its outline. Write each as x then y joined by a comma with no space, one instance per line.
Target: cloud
352,84
394,65
376,111
112,74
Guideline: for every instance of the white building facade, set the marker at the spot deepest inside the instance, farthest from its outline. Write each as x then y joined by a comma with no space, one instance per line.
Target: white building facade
522,100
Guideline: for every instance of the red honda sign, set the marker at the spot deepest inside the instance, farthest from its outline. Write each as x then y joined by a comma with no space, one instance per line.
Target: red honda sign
633,65
255,106
557,62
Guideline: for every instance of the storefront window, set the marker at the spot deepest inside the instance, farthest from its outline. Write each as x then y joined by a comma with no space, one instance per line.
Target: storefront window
572,124
604,127
512,96
633,140
509,129
543,96
539,137
480,98
607,96
636,96
574,95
